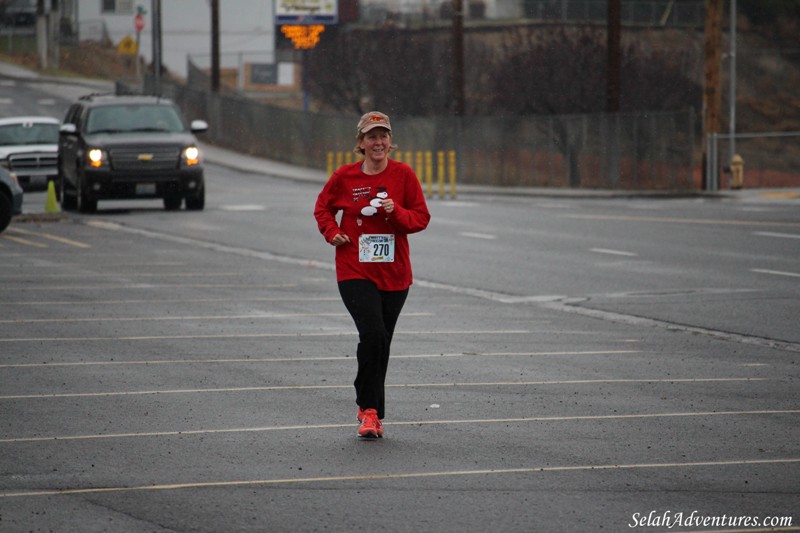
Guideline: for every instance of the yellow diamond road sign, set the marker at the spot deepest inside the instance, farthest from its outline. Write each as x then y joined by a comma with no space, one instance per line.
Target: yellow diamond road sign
127,46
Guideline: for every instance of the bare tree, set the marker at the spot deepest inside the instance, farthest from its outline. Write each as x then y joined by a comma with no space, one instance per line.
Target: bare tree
401,72
562,71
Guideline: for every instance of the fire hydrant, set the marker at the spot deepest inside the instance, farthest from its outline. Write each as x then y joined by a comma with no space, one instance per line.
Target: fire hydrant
737,172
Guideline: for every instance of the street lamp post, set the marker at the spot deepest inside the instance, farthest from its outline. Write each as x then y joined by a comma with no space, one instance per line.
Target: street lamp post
732,125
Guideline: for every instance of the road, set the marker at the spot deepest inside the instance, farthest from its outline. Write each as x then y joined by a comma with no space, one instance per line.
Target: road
562,364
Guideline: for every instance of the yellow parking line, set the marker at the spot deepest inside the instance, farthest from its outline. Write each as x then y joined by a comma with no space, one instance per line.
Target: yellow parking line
409,475
778,195
26,242
52,238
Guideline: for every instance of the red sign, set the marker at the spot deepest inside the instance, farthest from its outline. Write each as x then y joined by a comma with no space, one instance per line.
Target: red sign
138,22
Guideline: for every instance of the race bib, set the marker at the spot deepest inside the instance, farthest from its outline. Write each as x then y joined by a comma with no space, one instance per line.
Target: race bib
376,248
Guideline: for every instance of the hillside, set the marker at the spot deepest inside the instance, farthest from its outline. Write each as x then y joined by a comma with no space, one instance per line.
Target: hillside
767,100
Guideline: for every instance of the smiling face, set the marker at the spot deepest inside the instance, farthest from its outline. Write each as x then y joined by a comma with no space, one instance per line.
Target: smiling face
376,144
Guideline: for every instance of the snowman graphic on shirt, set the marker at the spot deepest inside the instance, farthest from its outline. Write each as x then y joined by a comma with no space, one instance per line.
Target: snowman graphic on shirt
375,202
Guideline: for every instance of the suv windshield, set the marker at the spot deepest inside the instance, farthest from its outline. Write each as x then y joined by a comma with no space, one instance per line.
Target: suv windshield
133,118
28,133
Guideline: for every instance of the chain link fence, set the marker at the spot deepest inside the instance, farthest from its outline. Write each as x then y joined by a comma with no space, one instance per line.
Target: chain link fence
651,13
610,151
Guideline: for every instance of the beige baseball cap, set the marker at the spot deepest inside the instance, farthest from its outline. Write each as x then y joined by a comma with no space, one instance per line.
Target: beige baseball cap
371,120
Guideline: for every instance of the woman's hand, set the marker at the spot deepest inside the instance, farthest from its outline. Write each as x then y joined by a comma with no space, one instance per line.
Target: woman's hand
388,205
340,239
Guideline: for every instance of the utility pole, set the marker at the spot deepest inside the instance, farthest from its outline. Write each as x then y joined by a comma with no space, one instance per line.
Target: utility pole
156,9
458,58
712,93
732,103
53,27
215,46
42,32
614,82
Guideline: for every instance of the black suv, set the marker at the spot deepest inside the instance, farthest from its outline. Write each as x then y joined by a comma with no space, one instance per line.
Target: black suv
124,147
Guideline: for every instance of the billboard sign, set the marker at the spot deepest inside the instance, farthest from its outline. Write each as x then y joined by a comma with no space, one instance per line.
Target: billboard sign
306,12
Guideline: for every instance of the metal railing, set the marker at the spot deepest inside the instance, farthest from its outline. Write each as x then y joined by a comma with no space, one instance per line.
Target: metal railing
767,161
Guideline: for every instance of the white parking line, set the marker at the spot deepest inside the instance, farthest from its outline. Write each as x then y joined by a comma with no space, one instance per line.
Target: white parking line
342,333
410,475
780,235
672,220
176,300
146,362
145,285
251,316
775,272
485,236
518,420
393,386
612,252
242,208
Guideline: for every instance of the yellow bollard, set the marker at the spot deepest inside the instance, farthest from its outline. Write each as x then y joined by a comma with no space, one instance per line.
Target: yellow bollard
452,167
429,173
418,167
330,163
440,172
51,204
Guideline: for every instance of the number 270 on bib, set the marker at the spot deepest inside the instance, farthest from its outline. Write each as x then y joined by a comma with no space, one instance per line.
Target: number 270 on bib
376,248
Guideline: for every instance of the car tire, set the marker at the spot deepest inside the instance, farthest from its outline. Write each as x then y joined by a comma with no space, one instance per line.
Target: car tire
68,201
173,203
86,204
5,211
196,202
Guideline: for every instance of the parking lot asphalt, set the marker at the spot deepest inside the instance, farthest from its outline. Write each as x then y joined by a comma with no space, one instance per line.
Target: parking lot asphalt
155,383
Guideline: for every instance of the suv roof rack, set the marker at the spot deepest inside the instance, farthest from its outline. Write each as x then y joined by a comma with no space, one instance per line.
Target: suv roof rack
93,95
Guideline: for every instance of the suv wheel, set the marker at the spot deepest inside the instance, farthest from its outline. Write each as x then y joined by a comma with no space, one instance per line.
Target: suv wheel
86,204
68,201
198,201
172,203
5,211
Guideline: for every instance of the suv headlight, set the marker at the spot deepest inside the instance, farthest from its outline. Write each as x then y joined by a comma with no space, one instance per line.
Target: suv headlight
96,158
190,156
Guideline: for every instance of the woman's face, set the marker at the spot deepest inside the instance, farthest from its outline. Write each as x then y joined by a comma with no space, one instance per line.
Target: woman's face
376,143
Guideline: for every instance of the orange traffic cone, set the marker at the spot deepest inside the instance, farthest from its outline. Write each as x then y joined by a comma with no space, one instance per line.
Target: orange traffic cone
51,205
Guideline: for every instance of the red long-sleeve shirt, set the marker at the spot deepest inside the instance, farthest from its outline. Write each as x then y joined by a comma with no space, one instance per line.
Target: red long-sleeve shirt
351,191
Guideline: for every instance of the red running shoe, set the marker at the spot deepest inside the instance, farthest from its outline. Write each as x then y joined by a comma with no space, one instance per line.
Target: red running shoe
360,414
371,426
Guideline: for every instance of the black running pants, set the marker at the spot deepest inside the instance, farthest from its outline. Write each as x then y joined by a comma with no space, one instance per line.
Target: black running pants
375,314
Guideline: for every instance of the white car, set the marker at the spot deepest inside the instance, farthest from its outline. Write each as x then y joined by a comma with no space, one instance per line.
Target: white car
29,149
